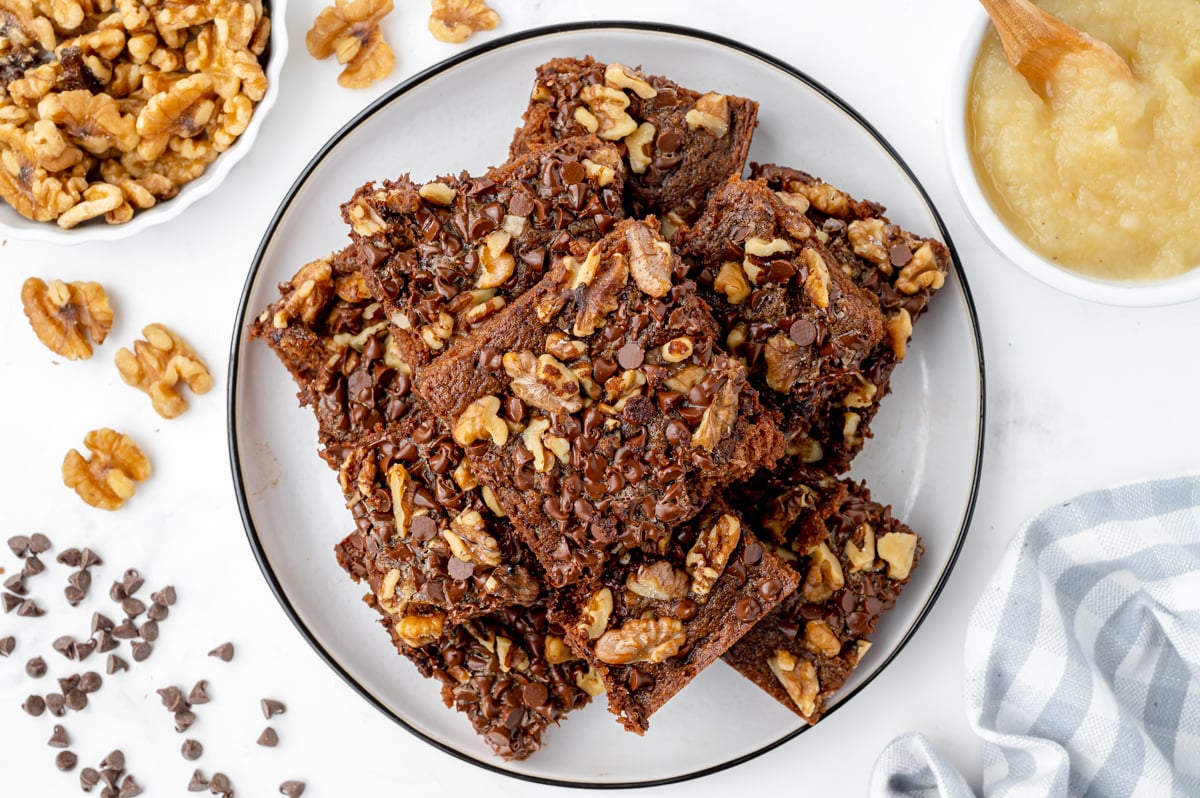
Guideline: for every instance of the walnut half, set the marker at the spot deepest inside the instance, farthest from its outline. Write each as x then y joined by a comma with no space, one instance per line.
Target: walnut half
159,364
106,479
641,640
65,315
453,21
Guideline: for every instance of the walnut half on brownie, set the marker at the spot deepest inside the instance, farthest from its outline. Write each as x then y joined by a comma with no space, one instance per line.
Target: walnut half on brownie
599,409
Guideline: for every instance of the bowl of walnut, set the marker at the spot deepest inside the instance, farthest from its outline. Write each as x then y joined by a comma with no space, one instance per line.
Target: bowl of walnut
116,115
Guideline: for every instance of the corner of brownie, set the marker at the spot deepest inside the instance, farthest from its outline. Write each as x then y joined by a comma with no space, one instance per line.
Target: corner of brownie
599,408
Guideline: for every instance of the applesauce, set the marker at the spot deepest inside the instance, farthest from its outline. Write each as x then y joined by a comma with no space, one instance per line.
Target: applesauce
1102,179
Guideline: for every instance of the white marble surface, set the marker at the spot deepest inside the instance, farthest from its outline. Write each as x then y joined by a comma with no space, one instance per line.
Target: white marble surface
1078,396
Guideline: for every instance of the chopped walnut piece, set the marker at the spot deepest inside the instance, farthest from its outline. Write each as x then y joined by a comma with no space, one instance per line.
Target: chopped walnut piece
622,77
420,630
557,651
608,107
350,28
785,362
897,549
658,581
899,329
454,21
639,144
98,199
92,121
543,382
641,640
469,540
921,272
717,422
707,557
649,261
596,614
816,285
157,366
731,281
711,113
819,638
601,297
860,549
824,575
799,678
481,420
65,315
106,479
311,288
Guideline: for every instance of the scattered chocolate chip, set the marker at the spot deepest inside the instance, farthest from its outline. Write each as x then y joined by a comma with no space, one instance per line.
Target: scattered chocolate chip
39,543
630,356
101,623
166,596
184,719
117,592
19,545
33,566
223,651
142,650
11,602
129,788
59,738
69,557
88,558
114,761
88,778
111,776
16,583
133,607
192,750
271,708
56,703
29,609
105,642
84,649
90,682
66,761
220,784
292,788
64,645
68,683
803,332
199,693
198,783
158,612
7,644
35,668
172,698
74,595
535,694
132,582
81,579
77,700
148,631
115,664
34,705
125,630
268,738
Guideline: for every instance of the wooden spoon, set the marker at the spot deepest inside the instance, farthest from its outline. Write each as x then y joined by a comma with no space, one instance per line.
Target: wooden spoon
1036,42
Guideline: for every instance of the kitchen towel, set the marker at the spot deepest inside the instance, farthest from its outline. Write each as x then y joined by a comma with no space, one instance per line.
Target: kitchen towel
1082,657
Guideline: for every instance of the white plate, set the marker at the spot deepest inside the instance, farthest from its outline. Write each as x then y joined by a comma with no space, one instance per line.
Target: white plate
460,115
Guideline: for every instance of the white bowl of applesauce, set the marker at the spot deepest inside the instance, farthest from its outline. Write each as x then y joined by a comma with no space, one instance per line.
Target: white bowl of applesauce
1094,192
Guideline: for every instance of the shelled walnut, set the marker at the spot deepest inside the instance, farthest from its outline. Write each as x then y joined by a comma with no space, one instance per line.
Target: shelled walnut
159,364
454,21
65,315
350,30
106,479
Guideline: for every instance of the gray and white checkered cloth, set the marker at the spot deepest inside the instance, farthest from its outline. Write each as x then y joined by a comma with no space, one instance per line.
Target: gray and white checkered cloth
1082,657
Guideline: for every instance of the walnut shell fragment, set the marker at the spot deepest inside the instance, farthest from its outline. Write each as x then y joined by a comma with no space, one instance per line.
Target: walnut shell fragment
157,366
65,315
106,479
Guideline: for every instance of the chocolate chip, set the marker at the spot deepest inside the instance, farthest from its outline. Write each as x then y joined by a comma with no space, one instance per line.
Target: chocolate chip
423,527
68,683
459,569
192,750
69,557
29,609
166,597
268,738
535,695
77,700
117,592
271,708
747,609
111,777
11,602
133,607
33,566
64,645
184,719
66,761
7,644
197,783
803,332
84,649
630,356
149,631
141,651
74,595
35,668
105,642
39,543
900,255
132,582
224,652
34,705
16,583
172,698
199,693
220,784
88,778
101,623
125,630
90,682
59,739
157,612
115,664
81,579
19,544
638,680
129,788
115,761
292,789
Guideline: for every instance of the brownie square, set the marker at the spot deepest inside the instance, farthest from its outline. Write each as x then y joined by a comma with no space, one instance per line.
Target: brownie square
598,408
333,338
855,558
802,326
444,256
900,269
655,621
679,144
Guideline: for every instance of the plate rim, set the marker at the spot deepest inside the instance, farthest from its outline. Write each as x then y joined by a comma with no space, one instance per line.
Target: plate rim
241,320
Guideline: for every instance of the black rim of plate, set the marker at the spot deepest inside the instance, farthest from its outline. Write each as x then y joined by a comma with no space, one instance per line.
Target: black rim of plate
432,72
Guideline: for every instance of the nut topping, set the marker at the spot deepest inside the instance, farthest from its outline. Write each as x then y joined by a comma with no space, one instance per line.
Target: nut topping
159,364
897,549
622,77
711,113
496,263
106,479
861,553
469,540
816,285
785,362
608,106
649,261
641,640
311,287
706,559
824,575
658,581
420,630
596,614
601,297
639,144
481,420
799,678
399,482
921,272
717,422
677,349
543,382
437,193
899,329
65,315
731,281
820,639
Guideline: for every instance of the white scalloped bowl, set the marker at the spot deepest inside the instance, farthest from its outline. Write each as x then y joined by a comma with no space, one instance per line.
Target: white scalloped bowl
13,225
1128,293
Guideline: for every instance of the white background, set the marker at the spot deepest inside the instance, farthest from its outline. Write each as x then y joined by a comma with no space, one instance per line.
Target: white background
1079,396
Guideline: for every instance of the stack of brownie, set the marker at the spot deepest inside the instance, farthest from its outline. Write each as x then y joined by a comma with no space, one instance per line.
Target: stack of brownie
589,409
